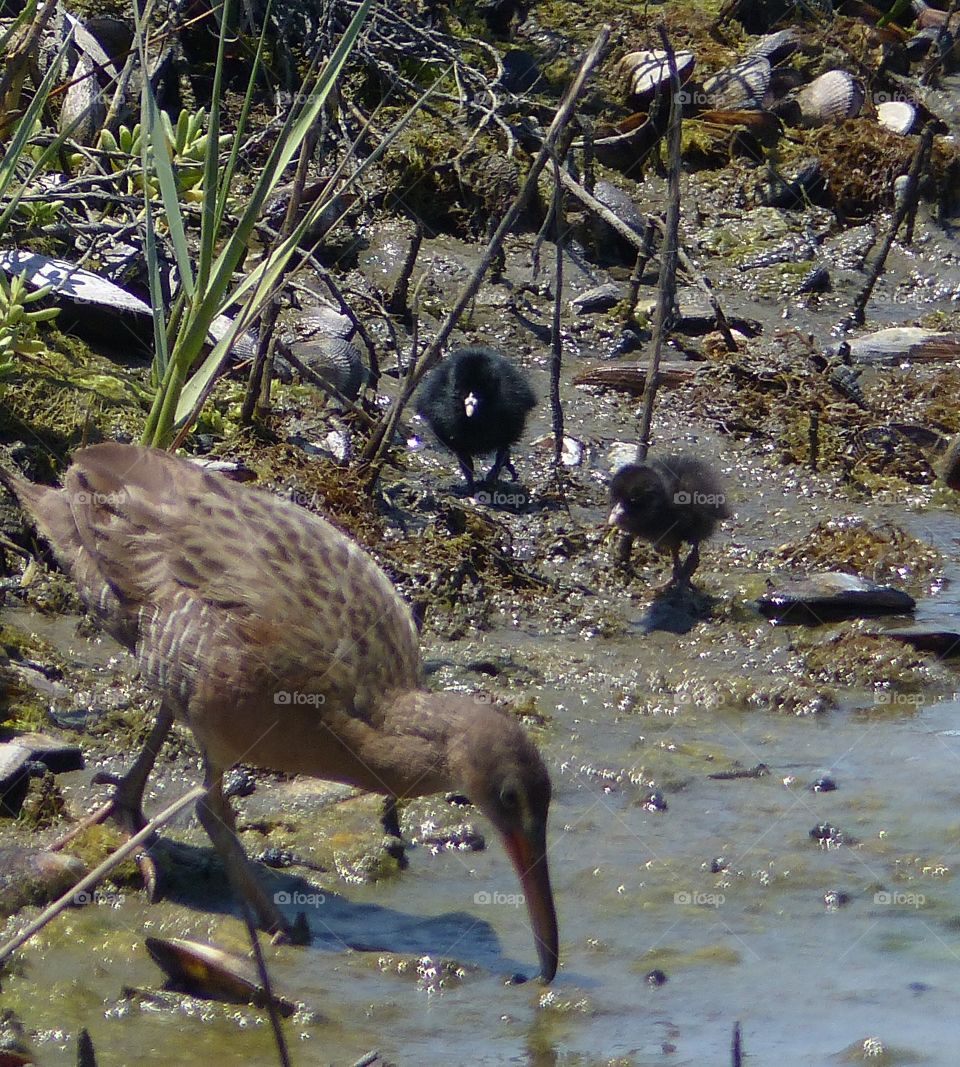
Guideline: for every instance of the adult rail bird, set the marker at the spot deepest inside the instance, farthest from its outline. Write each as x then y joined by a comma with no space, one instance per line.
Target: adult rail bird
476,401
280,643
668,502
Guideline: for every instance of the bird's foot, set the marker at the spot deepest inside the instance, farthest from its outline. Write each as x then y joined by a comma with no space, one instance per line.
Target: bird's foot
394,844
125,810
297,933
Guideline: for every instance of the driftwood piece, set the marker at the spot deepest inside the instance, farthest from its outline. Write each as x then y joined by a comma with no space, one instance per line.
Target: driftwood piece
632,377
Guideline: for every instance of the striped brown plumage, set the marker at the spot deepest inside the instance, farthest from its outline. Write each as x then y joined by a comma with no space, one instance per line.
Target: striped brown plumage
281,643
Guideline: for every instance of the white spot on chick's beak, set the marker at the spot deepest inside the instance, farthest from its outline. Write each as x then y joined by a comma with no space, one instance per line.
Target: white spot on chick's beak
616,515
470,404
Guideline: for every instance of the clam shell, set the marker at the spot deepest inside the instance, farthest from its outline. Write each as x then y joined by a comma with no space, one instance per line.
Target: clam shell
741,87
646,71
775,47
208,971
830,595
938,38
898,116
832,97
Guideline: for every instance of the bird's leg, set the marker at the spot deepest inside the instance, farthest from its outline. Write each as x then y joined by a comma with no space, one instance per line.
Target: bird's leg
501,462
390,820
125,807
677,566
691,564
216,817
466,466
625,548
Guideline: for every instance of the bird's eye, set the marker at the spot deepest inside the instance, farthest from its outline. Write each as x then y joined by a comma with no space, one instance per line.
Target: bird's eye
509,798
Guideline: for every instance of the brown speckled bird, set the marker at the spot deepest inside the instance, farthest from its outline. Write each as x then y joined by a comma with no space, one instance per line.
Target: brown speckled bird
280,643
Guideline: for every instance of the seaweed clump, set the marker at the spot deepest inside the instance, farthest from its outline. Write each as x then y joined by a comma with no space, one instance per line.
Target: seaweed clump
881,553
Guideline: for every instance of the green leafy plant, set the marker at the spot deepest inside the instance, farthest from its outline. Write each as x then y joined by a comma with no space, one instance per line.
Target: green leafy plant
187,144
206,284
18,322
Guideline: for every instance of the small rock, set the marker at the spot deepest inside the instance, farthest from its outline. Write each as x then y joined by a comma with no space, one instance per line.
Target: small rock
600,298
30,876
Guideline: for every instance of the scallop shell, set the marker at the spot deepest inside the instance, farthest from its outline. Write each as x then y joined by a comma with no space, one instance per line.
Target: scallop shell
776,47
832,97
741,87
648,70
898,116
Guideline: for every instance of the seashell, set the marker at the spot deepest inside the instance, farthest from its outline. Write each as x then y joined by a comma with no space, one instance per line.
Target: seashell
936,38
208,971
521,71
766,128
776,47
334,360
84,109
832,97
830,595
846,382
898,116
926,638
307,323
647,71
741,87
783,80
626,151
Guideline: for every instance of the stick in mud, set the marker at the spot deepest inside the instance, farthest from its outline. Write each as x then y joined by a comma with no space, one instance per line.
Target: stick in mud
667,283
858,315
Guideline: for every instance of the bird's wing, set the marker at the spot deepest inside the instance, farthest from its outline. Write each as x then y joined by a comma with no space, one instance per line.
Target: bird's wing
232,582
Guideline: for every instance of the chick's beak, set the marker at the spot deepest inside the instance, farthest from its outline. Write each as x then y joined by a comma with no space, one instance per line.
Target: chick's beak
528,853
616,515
470,404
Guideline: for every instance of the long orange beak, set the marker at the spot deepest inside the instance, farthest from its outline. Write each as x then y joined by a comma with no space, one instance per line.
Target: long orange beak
529,857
